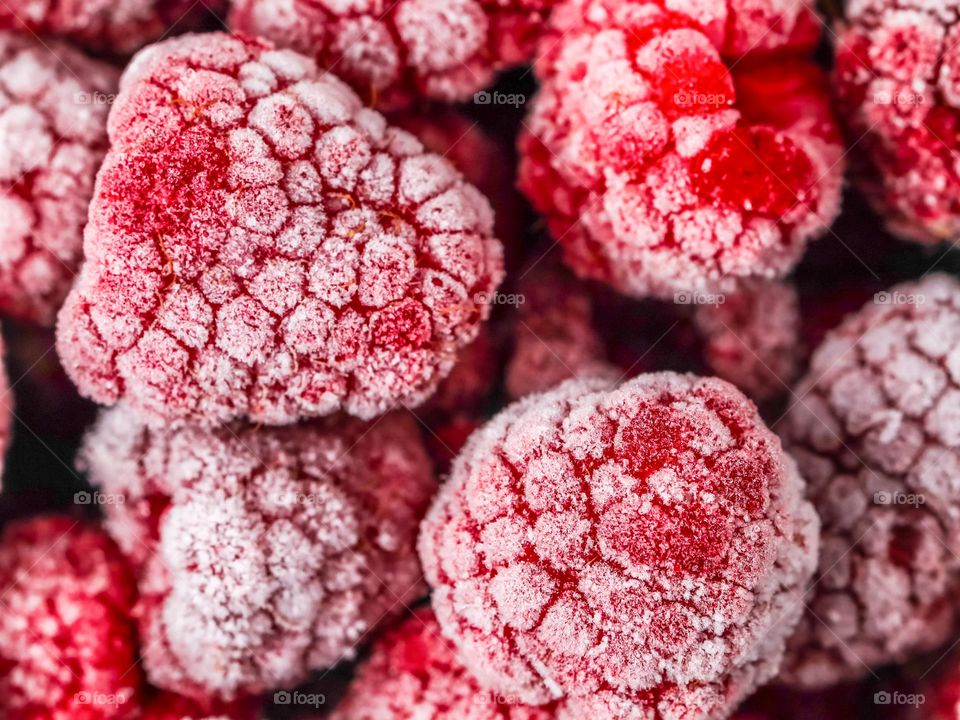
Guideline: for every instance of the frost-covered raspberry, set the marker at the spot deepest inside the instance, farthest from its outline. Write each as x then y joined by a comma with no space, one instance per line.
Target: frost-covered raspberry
553,335
751,337
639,550
876,433
53,135
107,26
898,83
302,536
658,169
399,51
260,245
67,638
413,672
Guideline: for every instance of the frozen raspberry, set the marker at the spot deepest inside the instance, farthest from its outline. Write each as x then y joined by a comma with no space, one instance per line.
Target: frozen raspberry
659,170
751,337
639,550
553,336
399,51
262,246
67,639
898,83
875,430
108,26
302,536
413,672
53,135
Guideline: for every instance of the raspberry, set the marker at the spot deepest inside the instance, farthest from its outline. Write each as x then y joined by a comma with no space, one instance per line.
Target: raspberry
53,118
553,335
585,534
303,536
659,170
898,85
876,434
112,26
404,50
413,672
751,337
67,639
262,246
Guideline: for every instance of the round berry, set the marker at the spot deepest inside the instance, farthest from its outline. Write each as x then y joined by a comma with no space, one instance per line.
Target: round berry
586,534
107,26
875,430
400,51
68,648
413,672
898,85
302,536
53,135
262,246
662,167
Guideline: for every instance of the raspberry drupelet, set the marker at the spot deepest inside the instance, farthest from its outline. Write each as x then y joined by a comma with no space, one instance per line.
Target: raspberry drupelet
53,135
661,171
638,551
751,337
898,86
262,246
413,672
302,536
875,430
394,53
68,647
115,27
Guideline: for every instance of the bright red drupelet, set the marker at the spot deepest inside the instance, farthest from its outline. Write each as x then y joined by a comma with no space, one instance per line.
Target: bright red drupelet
303,537
68,646
898,84
262,246
585,535
659,170
413,673
875,430
394,53
53,135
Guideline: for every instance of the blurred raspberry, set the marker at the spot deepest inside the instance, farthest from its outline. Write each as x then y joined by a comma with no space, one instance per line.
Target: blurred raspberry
395,53
53,134
876,433
67,639
302,536
751,338
553,335
108,26
658,170
262,246
584,535
413,673
898,84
